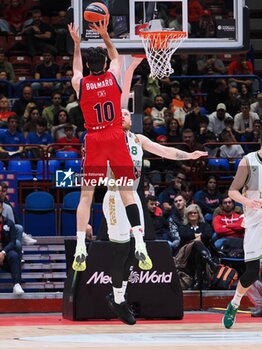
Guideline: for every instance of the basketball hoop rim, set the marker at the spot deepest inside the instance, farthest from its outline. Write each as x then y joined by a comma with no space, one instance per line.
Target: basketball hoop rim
171,33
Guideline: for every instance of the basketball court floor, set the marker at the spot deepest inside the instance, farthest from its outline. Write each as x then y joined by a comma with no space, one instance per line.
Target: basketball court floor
196,331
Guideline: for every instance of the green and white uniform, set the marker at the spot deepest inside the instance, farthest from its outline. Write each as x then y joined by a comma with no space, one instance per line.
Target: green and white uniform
113,207
253,217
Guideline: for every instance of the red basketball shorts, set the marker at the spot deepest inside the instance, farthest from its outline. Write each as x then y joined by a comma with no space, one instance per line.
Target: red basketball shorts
107,147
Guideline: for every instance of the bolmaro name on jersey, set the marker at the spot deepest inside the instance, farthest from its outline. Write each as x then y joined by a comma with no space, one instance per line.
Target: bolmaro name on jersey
99,84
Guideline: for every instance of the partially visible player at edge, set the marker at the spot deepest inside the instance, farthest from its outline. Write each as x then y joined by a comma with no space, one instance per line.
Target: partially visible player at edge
248,177
99,97
114,211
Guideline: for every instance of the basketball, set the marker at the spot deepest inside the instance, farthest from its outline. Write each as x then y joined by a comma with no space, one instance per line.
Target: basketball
96,12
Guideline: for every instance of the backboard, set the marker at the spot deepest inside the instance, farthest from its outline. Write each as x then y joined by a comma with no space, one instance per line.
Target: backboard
219,26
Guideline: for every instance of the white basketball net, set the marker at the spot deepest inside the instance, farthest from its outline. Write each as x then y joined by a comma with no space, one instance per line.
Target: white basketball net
159,49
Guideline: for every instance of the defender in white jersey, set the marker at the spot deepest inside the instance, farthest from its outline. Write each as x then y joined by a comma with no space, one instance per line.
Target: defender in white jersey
112,208
253,218
248,178
114,212
119,230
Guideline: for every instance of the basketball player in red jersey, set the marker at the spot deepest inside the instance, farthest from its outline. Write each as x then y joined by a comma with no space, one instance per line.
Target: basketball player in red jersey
100,100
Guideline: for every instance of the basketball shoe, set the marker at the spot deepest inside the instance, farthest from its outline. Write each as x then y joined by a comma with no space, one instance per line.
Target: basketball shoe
145,263
79,263
230,316
122,310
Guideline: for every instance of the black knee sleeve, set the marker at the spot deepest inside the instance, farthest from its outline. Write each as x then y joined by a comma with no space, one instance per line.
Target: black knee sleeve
133,216
119,258
251,274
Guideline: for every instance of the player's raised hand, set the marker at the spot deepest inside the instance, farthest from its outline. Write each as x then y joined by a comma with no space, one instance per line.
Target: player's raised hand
74,32
100,27
198,154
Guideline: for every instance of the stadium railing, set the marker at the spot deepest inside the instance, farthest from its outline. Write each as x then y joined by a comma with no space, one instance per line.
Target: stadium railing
15,90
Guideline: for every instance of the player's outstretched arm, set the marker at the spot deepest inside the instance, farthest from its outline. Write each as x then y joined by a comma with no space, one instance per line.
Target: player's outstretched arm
168,152
77,59
238,182
128,80
116,62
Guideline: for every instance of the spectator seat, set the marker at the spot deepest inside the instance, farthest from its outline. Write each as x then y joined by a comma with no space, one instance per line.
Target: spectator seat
39,214
66,155
68,213
22,168
73,164
220,164
46,171
2,166
237,161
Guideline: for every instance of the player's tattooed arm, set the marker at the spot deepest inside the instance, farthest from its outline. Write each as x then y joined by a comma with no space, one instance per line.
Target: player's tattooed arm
181,155
168,152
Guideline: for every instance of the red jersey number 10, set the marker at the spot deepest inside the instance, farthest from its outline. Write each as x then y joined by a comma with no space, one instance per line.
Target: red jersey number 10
105,111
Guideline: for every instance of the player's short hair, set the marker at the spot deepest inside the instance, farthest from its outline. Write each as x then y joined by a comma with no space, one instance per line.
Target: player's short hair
96,58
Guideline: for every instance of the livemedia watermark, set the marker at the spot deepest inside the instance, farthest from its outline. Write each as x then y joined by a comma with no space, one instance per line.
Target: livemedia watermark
70,179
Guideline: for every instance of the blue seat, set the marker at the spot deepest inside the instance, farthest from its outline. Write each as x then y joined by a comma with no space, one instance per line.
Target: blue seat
220,164
22,168
2,166
66,155
203,110
208,217
237,161
71,200
161,197
46,171
40,214
197,196
161,130
40,170
52,166
96,216
68,213
74,165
